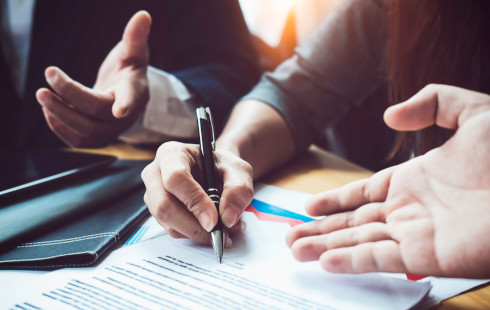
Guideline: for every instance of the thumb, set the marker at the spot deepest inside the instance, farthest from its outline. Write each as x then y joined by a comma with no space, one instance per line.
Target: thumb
443,105
129,98
135,37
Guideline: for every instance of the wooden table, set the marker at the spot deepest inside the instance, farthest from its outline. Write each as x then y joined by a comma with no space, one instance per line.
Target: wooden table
313,173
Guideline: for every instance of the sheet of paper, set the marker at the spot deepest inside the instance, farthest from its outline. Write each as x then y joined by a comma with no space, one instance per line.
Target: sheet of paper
258,272
258,267
442,288
150,229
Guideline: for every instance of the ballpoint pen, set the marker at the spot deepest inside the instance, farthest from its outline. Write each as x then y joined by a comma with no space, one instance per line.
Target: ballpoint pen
207,141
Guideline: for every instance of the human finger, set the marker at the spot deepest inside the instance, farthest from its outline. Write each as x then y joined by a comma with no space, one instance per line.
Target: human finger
380,256
130,96
135,37
444,105
68,136
87,101
351,196
174,233
373,212
310,248
83,125
168,211
237,187
176,161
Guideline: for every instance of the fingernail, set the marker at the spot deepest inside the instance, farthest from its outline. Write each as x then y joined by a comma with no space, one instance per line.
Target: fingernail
41,96
243,226
230,216
206,222
51,76
228,241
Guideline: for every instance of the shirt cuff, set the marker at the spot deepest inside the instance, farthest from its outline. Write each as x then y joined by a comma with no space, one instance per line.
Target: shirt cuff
169,114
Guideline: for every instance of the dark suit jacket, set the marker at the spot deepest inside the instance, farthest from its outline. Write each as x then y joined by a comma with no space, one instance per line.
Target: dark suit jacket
204,43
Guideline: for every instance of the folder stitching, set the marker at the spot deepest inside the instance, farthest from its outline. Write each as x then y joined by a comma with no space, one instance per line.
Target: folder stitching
68,240
95,255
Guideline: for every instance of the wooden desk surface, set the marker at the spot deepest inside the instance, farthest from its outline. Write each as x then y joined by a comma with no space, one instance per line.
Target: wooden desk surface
313,173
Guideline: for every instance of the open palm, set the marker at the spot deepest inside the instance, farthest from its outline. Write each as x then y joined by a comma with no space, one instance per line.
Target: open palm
428,216
88,117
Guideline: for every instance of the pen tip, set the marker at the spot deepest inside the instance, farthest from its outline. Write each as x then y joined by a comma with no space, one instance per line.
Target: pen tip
219,259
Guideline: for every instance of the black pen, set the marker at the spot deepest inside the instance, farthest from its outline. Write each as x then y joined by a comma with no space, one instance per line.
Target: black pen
207,141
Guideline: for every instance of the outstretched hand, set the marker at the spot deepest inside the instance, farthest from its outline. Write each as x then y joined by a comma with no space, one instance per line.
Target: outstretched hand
427,216
88,117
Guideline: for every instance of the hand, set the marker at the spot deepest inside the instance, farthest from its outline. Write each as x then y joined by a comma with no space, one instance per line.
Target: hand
175,196
427,216
85,117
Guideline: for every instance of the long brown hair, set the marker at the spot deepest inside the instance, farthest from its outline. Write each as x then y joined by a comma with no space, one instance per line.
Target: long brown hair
436,41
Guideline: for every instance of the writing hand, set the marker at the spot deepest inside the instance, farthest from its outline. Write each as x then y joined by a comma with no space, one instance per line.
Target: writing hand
89,117
178,202
427,216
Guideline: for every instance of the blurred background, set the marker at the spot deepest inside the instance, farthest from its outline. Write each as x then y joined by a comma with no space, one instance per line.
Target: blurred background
280,25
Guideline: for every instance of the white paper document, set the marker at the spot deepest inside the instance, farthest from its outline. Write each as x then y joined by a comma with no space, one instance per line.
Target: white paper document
257,272
164,273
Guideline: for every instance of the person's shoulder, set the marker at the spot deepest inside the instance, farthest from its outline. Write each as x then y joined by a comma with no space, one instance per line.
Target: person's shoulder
360,16
364,16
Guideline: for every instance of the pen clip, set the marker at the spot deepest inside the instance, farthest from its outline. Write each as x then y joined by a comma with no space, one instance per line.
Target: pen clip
211,124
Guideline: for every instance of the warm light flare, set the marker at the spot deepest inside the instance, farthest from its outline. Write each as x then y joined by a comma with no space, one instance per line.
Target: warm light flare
267,19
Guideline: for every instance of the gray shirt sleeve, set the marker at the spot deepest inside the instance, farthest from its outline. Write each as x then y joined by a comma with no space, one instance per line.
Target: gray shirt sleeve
338,69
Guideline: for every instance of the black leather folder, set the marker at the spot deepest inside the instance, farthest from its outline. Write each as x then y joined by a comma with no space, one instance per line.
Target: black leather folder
73,222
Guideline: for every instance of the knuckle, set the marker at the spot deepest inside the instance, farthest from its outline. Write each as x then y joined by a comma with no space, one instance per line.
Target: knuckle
236,163
148,172
351,220
366,193
145,198
194,203
145,173
168,146
243,191
174,177
355,237
245,166
325,225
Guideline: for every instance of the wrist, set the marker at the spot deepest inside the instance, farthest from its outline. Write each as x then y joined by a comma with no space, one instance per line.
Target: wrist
228,142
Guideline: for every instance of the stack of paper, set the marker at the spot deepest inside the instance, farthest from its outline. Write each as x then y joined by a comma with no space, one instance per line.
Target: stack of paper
258,272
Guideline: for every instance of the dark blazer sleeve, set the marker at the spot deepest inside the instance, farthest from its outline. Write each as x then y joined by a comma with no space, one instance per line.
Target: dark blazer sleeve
207,45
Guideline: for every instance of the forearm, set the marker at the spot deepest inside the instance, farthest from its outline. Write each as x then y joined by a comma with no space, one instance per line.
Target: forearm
258,134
